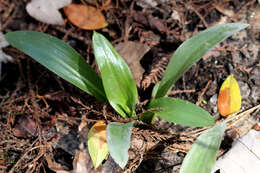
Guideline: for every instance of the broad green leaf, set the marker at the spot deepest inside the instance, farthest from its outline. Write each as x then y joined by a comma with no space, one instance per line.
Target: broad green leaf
229,98
118,82
97,143
59,58
202,155
118,140
147,117
181,112
192,50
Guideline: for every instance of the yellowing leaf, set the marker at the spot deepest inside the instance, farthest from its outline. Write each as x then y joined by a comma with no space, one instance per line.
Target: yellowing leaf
229,98
97,144
85,17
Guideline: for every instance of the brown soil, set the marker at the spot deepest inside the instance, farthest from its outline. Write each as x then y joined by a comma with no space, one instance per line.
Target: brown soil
40,114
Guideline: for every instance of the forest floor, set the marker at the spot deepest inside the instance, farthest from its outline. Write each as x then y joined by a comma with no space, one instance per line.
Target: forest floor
41,114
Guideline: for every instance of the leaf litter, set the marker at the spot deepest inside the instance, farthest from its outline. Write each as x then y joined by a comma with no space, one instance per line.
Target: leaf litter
230,57
85,17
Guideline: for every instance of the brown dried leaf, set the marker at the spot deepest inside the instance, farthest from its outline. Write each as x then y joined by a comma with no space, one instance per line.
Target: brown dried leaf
157,24
85,17
25,127
54,166
140,17
224,10
150,38
133,52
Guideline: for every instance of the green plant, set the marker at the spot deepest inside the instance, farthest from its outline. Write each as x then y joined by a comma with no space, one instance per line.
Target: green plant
202,155
116,84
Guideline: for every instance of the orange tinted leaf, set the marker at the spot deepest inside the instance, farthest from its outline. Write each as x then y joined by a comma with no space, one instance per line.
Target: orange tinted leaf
223,102
97,144
229,98
85,17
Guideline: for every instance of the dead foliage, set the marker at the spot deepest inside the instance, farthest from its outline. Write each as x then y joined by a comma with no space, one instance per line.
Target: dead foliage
39,111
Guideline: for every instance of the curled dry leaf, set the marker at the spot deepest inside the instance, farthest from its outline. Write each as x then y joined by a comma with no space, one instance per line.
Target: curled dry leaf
97,144
229,98
47,11
85,17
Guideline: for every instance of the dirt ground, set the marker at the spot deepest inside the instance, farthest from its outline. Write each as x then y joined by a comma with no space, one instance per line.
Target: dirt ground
41,114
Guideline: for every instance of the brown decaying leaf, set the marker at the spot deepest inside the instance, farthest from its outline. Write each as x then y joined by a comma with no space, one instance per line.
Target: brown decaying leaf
85,17
133,52
25,127
157,24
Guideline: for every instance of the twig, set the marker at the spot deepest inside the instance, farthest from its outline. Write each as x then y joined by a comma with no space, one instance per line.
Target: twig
239,117
20,160
203,92
181,91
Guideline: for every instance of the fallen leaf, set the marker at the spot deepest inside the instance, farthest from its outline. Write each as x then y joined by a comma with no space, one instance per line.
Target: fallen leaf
97,144
133,52
47,11
224,10
157,24
25,127
85,17
150,38
229,99
140,17
53,165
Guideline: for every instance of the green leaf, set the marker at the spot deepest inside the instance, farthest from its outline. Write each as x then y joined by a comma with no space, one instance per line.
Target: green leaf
202,156
59,58
181,112
97,145
118,140
147,117
192,50
117,79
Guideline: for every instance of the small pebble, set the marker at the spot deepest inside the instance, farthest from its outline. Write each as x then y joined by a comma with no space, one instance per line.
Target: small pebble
213,103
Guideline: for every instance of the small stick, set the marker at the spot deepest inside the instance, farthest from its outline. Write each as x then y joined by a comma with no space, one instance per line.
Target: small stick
202,93
181,91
